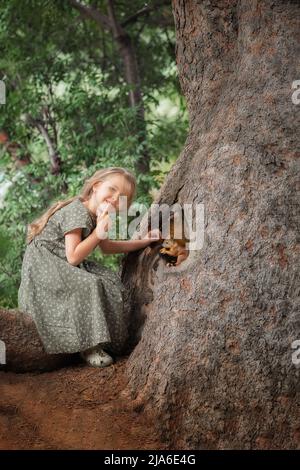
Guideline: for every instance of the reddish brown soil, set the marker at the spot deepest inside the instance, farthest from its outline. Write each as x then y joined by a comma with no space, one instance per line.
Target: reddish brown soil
77,407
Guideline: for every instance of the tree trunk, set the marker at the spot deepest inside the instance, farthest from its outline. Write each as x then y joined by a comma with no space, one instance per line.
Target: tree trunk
214,336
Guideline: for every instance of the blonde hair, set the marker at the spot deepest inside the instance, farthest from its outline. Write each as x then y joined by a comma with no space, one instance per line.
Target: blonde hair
101,175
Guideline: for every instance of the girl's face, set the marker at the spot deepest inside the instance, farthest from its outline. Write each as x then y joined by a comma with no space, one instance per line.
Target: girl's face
110,191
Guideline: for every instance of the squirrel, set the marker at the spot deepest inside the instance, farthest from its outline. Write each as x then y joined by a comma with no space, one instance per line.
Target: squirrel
174,249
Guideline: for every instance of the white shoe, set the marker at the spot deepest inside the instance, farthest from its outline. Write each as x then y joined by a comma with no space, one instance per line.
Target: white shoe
96,357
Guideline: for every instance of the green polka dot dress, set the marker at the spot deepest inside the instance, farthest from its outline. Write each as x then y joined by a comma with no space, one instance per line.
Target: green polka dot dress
74,307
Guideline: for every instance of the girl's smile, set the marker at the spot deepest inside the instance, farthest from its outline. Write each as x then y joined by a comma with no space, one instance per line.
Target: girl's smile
107,192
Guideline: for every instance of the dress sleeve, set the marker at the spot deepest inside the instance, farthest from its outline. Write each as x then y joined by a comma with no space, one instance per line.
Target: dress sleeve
71,217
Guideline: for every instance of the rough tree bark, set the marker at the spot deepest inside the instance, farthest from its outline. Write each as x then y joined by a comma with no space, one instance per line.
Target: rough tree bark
214,336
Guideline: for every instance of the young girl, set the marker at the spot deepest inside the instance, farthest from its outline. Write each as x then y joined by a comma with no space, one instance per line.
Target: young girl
77,304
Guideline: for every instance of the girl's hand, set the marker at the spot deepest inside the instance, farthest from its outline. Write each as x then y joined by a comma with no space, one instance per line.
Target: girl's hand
103,224
153,235
104,207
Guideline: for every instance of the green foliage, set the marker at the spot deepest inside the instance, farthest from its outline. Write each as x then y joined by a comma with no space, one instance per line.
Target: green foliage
10,275
67,73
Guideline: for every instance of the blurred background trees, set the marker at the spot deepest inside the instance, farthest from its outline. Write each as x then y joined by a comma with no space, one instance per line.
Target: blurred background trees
88,84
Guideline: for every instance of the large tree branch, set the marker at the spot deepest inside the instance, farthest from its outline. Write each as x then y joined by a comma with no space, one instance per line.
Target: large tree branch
53,155
129,59
131,70
144,11
115,25
92,13
128,55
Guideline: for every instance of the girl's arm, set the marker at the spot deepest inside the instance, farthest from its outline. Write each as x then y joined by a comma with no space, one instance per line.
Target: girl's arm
76,248
110,247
